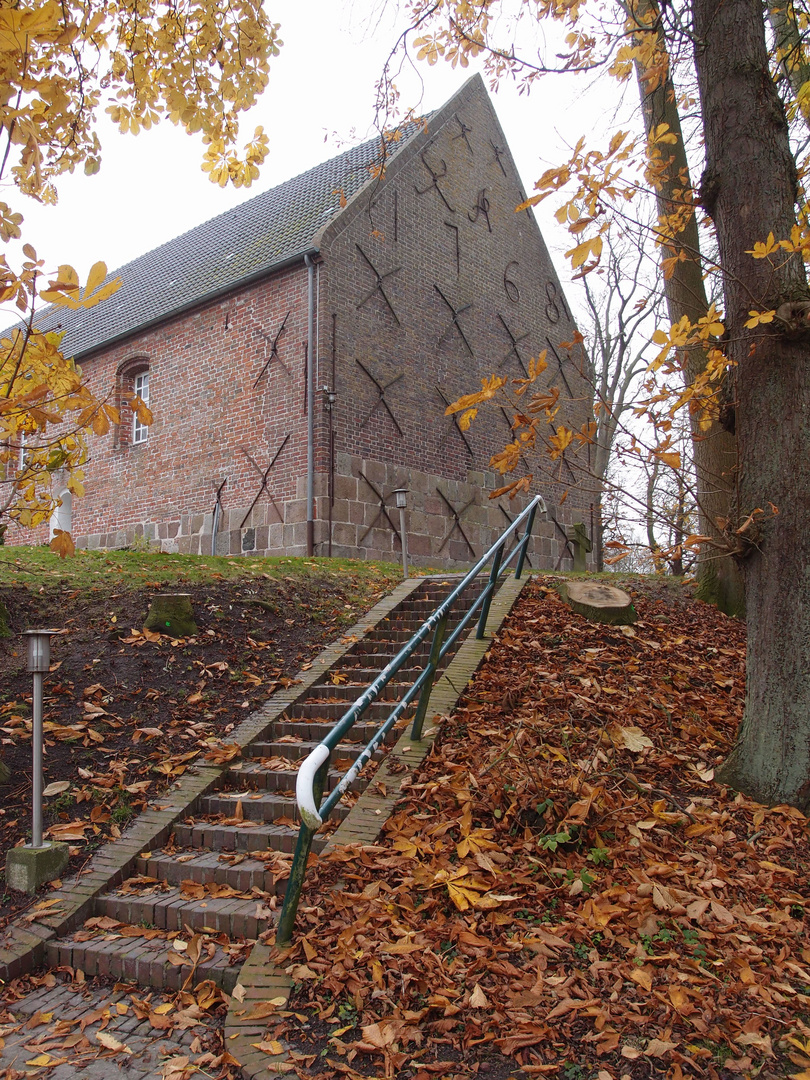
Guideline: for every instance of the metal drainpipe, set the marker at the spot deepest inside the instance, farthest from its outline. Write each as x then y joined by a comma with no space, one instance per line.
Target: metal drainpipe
310,405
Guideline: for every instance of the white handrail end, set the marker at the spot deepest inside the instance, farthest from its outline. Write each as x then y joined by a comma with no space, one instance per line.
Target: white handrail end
304,786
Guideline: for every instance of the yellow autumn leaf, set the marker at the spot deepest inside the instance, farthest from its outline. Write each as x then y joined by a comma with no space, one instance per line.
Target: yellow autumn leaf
98,271
62,543
463,898
537,365
141,410
579,254
488,901
466,419
489,388
560,441
669,457
758,318
111,1043
273,1046
643,976
762,250
64,292
478,840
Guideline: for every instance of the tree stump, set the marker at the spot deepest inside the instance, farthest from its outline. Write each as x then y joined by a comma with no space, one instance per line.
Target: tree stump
171,613
598,602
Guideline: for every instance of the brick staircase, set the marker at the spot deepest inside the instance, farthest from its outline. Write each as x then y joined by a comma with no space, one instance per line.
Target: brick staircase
192,910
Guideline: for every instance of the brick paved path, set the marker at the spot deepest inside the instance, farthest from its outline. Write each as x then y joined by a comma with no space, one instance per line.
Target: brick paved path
64,1021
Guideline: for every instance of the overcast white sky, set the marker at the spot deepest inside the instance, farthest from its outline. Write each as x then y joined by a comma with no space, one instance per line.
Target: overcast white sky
320,99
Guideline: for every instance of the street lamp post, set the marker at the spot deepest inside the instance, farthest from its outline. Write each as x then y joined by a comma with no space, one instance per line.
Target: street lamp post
400,495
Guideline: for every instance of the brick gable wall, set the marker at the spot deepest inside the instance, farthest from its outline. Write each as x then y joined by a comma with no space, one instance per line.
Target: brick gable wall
439,231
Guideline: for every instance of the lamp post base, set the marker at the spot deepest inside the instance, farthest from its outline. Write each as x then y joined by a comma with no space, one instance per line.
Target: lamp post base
28,867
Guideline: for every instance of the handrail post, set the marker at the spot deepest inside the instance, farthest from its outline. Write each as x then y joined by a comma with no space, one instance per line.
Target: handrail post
298,869
433,662
490,588
525,542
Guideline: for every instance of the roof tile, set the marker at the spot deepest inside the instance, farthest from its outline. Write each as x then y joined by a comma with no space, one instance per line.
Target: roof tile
243,243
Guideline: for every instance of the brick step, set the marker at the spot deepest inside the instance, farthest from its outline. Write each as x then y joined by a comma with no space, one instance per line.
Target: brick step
384,650
142,960
165,907
365,669
328,712
253,774
295,751
209,834
304,728
331,692
391,635
269,875
265,807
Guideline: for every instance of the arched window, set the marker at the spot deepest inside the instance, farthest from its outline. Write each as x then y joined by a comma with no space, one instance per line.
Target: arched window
132,380
140,432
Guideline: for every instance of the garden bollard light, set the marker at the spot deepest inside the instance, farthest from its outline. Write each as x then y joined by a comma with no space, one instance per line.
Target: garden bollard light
39,661
400,495
30,865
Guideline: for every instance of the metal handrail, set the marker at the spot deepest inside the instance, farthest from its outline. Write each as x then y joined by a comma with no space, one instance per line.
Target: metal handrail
313,771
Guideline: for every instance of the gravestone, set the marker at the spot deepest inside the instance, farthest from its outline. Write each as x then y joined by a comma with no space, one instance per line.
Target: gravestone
582,546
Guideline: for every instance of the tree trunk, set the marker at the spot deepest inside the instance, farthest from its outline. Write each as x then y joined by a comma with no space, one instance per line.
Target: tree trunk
720,581
749,188
790,50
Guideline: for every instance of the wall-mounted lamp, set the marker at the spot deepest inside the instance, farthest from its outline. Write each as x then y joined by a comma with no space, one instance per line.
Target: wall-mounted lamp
329,396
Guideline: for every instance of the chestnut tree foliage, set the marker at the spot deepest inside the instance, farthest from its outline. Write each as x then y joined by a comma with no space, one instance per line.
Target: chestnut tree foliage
197,63
742,68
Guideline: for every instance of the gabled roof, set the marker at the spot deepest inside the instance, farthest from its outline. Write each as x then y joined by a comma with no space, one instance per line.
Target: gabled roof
241,245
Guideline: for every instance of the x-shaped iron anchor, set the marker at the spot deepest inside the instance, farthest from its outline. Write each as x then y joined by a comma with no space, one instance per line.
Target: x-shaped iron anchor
454,320
510,519
515,342
381,392
435,177
264,475
456,515
453,425
498,150
382,511
463,133
273,349
560,367
378,288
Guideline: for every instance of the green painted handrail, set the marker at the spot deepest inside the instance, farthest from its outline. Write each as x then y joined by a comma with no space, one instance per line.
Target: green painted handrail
313,772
